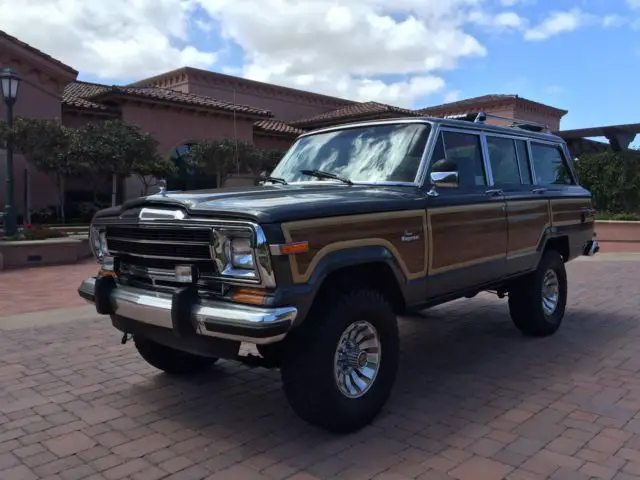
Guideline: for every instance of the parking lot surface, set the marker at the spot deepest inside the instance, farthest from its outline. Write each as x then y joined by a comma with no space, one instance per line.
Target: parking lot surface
474,400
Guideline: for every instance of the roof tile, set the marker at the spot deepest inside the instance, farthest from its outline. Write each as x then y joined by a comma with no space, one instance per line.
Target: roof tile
76,94
354,112
278,127
166,94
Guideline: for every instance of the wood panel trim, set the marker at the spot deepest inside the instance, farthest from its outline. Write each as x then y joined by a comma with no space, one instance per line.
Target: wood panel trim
456,209
298,277
527,251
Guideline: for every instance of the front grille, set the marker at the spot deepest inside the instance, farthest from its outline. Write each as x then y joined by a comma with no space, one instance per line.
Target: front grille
160,243
150,254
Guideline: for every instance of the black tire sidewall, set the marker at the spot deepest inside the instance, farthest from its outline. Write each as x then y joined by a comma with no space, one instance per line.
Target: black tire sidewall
553,261
314,355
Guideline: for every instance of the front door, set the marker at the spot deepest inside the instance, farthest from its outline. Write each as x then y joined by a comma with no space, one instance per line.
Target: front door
466,218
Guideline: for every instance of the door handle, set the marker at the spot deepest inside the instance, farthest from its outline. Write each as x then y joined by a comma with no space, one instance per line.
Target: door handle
539,191
495,192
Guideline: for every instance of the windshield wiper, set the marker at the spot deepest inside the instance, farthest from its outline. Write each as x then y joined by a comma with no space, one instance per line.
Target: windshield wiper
321,174
281,181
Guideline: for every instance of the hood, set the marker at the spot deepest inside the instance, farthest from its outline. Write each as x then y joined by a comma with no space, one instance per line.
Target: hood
278,203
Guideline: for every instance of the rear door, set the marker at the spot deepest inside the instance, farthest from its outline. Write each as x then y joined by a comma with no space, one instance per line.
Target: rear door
466,218
528,215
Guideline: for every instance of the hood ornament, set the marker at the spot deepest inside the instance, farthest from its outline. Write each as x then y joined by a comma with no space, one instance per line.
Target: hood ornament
163,188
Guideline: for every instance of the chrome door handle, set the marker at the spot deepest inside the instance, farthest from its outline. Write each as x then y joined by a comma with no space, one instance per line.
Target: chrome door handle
494,192
539,191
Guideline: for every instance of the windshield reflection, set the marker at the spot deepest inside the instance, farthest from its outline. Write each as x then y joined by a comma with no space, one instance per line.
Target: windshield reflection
374,153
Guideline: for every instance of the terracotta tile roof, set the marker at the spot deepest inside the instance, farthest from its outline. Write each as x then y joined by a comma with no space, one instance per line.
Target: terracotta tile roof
467,102
277,127
157,93
354,112
40,53
474,102
76,94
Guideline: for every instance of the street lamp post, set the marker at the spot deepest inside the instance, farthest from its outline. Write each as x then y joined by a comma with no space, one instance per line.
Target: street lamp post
9,83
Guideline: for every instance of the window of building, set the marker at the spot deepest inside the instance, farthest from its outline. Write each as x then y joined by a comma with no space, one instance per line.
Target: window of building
460,152
549,165
504,161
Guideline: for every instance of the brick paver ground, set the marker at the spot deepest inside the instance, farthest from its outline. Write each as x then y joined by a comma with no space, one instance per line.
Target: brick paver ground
474,401
48,288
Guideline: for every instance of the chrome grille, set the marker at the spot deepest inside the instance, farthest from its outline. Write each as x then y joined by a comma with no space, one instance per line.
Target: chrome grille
174,244
148,255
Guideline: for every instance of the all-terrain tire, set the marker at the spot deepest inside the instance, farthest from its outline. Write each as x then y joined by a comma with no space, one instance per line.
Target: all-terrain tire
309,372
170,360
526,298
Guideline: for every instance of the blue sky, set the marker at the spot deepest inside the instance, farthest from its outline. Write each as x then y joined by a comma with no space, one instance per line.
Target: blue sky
579,55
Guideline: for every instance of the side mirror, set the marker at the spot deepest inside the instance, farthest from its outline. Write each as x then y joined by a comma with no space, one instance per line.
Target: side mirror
444,179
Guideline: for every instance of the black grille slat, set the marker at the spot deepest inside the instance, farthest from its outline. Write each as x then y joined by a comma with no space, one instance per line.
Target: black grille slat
176,235
167,250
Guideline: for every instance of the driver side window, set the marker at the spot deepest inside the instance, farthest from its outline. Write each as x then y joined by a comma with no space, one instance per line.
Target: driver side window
458,155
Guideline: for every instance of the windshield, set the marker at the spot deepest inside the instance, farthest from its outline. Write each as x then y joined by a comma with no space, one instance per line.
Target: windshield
374,153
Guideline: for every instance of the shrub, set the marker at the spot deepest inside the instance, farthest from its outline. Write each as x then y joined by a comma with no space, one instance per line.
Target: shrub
614,180
35,232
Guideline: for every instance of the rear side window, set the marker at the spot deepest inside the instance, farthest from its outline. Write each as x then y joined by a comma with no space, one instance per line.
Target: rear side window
549,165
504,161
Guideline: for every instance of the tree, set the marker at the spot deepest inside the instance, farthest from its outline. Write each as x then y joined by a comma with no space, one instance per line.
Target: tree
120,149
46,144
221,158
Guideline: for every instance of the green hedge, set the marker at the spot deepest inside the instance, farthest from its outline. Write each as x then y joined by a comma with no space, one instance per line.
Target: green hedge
614,180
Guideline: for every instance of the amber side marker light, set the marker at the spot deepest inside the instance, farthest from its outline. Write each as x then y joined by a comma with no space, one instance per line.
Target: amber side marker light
289,248
252,296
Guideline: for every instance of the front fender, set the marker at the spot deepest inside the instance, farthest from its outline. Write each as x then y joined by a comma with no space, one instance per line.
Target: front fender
302,295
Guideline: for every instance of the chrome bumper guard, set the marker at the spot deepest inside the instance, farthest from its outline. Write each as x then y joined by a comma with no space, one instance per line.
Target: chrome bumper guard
208,318
591,248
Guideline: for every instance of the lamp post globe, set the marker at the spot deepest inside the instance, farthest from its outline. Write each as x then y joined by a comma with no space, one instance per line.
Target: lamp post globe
9,83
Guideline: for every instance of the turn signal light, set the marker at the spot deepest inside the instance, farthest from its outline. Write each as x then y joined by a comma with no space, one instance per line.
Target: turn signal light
252,296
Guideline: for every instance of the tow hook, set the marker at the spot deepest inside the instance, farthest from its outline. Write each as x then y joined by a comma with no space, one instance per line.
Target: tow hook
125,338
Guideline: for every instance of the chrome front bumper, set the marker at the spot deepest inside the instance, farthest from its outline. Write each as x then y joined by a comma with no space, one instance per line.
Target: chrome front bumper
208,318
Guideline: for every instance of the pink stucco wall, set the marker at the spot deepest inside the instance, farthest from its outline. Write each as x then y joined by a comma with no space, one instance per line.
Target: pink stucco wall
39,96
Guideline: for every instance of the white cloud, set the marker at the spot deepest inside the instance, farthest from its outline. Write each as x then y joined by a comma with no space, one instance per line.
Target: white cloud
557,23
452,96
498,22
353,48
116,39
633,3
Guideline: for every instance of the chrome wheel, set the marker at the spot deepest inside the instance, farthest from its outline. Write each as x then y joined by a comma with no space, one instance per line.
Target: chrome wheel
357,359
550,292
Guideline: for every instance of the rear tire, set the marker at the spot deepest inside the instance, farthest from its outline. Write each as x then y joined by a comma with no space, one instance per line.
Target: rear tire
170,360
538,300
340,366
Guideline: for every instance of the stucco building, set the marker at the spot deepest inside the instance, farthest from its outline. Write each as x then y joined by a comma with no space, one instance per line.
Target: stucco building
188,104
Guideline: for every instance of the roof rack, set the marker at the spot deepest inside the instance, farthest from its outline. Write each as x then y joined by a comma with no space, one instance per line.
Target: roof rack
481,117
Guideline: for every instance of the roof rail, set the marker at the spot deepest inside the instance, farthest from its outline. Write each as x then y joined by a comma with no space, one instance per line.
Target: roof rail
481,117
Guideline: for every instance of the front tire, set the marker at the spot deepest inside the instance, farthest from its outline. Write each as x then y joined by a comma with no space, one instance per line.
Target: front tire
170,360
340,366
537,302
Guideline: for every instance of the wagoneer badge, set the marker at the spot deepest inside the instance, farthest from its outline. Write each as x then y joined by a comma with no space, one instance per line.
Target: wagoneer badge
409,237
